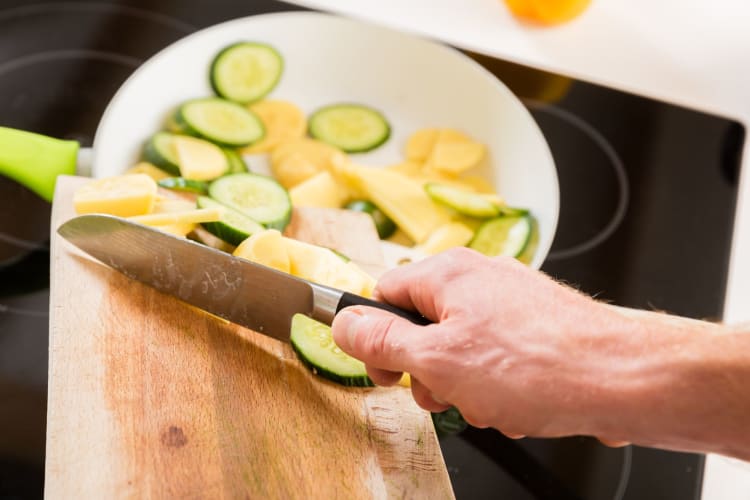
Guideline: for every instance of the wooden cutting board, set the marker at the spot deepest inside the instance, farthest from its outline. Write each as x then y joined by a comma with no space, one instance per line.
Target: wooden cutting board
151,398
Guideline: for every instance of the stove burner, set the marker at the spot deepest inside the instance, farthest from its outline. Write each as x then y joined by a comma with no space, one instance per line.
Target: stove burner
71,105
60,64
594,188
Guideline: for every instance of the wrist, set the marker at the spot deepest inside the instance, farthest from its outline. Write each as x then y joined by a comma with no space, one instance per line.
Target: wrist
684,386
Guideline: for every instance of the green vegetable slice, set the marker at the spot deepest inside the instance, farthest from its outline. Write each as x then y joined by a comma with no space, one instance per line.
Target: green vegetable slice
508,235
159,150
384,225
257,196
462,201
220,121
236,163
234,227
353,128
246,71
314,344
185,185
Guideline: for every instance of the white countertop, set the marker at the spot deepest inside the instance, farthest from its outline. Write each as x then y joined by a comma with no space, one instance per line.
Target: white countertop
690,52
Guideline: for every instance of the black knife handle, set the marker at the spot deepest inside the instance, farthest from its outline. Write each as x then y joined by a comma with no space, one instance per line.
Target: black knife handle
350,299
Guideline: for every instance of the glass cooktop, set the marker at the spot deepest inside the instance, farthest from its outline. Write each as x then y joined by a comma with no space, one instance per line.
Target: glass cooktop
647,190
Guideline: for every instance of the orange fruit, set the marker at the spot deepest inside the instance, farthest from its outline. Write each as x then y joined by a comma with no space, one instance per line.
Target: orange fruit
547,11
520,8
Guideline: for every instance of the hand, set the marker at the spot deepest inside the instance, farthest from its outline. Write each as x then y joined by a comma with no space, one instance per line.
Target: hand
510,347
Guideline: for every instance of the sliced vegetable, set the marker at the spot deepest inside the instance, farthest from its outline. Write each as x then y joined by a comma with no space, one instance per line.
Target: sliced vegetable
198,159
194,216
462,201
144,167
320,190
384,225
353,128
185,185
322,265
236,163
296,160
313,342
246,71
401,198
159,150
449,422
257,196
282,120
220,121
266,247
506,235
420,143
124,195
232,226
453,234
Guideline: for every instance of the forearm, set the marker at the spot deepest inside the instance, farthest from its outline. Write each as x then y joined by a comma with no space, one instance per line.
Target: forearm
689,390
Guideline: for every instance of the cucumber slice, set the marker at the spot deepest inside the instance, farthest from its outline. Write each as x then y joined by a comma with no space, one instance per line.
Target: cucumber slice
384,225
236,163
257,196
353,128
160,151
234,227
507,235
246,71
184,185
462,201
223,122
314,344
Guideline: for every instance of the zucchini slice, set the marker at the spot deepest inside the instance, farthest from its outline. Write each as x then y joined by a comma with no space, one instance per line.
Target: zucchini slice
313,342
159,150
257,196
236,163
506,235
233,227
245,72
462,201
184,185
220,121
353,128
384,225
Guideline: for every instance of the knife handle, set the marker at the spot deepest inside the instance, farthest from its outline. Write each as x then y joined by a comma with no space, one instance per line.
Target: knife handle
349,299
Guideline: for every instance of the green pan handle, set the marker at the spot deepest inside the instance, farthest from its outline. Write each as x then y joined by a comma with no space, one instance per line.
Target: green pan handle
35,160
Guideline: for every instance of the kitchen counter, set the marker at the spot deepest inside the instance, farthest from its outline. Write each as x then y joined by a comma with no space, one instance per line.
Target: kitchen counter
689,52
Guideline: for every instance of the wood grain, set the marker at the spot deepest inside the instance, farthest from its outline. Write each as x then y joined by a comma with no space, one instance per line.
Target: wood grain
151,398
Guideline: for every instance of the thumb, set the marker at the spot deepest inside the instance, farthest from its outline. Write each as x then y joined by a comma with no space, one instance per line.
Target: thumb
377,338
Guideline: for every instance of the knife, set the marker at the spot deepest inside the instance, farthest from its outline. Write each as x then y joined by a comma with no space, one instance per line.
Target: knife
238,290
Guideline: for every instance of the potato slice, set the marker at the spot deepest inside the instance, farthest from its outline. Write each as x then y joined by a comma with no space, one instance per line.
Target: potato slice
420,144
266,248
400,197
149,169
297,160
323,266
452,234
180,229
282,120
195,216
123,195
320,190
199,160
455,157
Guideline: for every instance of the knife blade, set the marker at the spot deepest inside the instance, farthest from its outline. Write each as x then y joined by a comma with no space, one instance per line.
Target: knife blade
238,290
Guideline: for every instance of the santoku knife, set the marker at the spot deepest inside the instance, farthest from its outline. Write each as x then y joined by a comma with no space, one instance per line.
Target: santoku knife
240,291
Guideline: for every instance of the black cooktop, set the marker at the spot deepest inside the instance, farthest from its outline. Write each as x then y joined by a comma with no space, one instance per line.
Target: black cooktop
647,192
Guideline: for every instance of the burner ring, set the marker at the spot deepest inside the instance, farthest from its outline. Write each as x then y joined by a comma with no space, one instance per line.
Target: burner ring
44,8
54,55
614,161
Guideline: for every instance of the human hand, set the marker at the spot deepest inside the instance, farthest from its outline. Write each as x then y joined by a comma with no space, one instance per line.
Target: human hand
510,347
